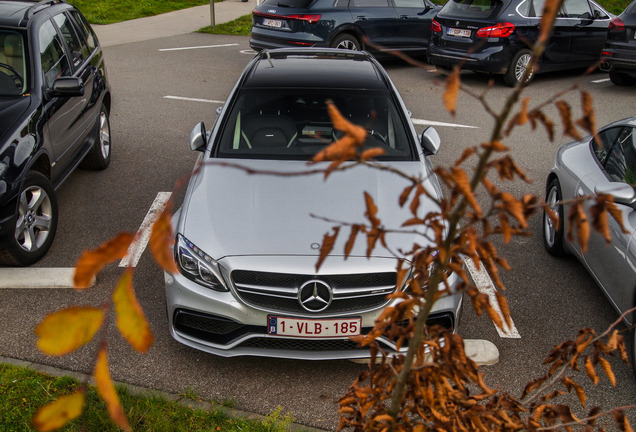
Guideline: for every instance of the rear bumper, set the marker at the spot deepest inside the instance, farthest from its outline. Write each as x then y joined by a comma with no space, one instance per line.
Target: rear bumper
494,59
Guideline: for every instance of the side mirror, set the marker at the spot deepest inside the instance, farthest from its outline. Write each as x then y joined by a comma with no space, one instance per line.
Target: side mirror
621,192
198,137
67,87
430,141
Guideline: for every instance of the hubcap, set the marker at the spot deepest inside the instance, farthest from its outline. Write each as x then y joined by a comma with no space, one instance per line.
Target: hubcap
347,44
549,227
104,135
521,66
35,215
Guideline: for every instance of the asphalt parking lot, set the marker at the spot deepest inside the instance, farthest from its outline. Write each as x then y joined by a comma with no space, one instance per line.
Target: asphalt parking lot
160,91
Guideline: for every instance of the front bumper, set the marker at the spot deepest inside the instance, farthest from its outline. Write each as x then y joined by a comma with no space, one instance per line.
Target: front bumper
221,323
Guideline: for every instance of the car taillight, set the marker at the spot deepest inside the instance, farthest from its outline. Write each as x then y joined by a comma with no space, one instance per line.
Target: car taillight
616,25
498,30
606,54
311,19
436,27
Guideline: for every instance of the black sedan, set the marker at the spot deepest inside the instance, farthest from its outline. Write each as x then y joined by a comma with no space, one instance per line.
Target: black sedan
54,106
403,25
494,36
619,55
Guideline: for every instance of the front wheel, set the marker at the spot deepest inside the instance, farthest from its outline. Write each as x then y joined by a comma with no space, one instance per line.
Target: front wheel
99,156
553,234
518,67
36,222
346,41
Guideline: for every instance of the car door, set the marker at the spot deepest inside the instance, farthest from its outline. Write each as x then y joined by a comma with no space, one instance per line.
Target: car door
377,20
588,25
613,264
557,48
414,23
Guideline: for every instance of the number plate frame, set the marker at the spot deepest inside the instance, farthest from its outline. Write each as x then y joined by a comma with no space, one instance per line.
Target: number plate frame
452,31
272,23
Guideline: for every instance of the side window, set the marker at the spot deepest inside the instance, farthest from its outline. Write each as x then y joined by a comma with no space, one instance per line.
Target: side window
369,3
419,4
52,55
85,30
577,9
341,4
77,47
618,154
597,12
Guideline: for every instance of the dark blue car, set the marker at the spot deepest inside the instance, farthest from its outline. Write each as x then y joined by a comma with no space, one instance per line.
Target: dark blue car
403,25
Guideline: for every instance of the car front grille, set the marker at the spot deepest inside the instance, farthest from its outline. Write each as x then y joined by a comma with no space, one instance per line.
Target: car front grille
278,292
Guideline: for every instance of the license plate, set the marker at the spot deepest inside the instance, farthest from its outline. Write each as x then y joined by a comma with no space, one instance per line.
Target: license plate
313,328
272,23
458,32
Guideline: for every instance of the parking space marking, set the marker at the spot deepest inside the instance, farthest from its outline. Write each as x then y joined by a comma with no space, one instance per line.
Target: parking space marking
601,80
137,248
198,47
194,99
485,285
36,278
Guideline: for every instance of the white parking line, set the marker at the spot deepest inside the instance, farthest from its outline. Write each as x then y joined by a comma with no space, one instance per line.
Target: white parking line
194,99
143,234
198,47
601,80
485,285
36,278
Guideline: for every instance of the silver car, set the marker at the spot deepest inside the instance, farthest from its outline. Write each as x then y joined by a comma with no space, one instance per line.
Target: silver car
247,244
587,168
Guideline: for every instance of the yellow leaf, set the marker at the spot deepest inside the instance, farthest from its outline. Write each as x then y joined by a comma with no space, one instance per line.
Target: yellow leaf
66,330
162,239
452,90
106,390
93,261
607,368
56,414
130,317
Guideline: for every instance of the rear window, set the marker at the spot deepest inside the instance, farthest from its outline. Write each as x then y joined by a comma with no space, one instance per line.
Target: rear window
478,9
295,4
294,124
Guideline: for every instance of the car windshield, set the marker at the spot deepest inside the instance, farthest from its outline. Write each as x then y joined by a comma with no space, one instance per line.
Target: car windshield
472,8
13,79
294,124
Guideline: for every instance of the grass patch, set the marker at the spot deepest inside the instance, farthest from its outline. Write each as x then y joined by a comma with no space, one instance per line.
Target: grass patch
238,27
23,391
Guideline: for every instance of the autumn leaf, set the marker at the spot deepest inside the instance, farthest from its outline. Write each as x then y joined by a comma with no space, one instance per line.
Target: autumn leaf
372,210
66,330
452,90
93,261
590,371
566,119
343,149
372,153
162,239
588,121
106,389
131,321
58,413
462,183
328,242
607,368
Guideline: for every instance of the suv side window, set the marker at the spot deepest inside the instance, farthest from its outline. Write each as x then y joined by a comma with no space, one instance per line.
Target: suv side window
52,55
577,9
369,3
84,30
78,48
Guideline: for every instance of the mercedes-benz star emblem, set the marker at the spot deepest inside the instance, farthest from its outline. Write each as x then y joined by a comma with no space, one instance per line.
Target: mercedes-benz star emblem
315,296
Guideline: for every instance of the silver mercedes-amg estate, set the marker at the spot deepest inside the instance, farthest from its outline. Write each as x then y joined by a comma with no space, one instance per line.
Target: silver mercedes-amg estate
247,244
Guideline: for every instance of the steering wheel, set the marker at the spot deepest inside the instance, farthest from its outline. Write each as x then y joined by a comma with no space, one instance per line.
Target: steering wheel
14,73
377,135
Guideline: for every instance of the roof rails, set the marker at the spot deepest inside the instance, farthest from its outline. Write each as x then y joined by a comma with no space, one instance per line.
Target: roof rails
32,10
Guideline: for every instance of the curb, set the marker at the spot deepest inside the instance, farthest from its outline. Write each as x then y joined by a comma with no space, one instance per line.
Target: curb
232,413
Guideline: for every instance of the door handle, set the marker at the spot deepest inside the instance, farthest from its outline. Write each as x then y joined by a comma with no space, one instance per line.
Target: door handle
404,17
361,18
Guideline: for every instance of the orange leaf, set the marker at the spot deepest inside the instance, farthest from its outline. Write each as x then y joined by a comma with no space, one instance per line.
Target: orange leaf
463,184
66,330
566,118
106,390
607,368
352,239
358,133
131,321
452,90
328,242
591,372
93,261
162,239
56,414
372,153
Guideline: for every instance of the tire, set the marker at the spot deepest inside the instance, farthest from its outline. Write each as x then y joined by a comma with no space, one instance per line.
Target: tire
621,78
36,222
552,237
517,67
99,156
632,339
346,41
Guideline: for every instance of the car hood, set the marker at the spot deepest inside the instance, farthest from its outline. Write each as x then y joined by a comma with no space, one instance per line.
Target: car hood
228,212
11,111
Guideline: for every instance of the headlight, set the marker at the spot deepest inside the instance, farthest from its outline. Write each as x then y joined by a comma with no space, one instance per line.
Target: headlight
198,266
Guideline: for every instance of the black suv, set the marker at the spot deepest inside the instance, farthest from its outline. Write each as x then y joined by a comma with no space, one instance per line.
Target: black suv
54,106
619,54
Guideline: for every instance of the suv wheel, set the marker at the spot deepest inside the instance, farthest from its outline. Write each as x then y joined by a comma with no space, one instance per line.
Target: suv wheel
346,41
517,68
36,222
99,156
